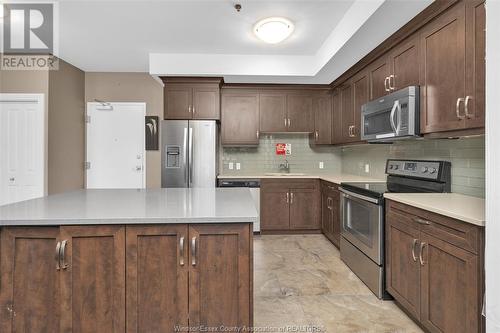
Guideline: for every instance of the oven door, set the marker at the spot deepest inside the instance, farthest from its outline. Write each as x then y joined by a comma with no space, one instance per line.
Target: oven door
362,220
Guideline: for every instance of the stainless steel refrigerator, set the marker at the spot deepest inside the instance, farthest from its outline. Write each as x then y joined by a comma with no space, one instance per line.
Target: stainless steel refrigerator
189,153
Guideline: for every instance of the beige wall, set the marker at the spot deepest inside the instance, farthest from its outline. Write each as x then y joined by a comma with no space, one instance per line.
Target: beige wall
66,132
130,87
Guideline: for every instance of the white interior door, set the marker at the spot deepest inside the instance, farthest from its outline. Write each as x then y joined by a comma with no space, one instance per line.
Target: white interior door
22,147
116,145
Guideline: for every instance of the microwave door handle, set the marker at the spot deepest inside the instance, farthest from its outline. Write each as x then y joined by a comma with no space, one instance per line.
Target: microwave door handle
398,127
393,113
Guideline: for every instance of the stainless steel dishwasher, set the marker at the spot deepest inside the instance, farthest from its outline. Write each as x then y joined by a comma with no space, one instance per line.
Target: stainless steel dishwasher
253,185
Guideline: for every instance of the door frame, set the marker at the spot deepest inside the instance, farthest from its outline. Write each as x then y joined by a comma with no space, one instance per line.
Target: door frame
39,98
143,107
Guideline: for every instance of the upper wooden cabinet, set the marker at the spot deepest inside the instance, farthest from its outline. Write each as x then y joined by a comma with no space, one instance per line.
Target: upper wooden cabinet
240,119
404,62
299,109
192,98
379,72
360,91
272,108
452,69
322,110
336,116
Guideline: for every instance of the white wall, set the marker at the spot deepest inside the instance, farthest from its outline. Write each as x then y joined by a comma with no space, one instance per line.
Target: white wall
492,166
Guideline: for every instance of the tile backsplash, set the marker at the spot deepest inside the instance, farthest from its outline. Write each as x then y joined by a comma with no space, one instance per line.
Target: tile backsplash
466,156
263,159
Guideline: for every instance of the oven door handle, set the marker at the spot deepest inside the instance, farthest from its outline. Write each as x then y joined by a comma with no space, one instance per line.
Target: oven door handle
348,194
393,114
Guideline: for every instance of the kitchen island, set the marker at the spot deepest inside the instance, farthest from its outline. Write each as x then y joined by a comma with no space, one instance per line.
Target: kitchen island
159,260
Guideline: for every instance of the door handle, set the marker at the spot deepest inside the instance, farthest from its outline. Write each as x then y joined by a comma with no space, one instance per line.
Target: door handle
190,155
181,251
457,108
64,264
316,135
192,108
193,251
57,257
421,221
386,88
392,79
285,122
466,106
289,122
420,257
415,241
291,198
257,133
287,198
392,116
189,108
185,140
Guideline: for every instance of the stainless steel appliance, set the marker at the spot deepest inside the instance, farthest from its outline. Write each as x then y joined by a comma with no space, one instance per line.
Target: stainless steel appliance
362,211
392,117
189,153
254,186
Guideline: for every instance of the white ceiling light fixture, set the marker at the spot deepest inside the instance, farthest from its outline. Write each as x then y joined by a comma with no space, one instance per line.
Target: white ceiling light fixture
273,30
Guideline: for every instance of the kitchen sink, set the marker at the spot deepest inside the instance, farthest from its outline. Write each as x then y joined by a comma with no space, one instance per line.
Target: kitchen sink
288,174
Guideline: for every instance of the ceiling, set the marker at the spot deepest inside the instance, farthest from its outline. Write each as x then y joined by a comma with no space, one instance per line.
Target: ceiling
211,38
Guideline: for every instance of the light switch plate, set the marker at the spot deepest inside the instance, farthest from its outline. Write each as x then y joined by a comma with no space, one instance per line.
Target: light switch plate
321,165
231,165
238,166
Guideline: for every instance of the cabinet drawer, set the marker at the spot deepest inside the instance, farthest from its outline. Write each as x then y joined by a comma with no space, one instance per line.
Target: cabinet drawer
461,234
290,183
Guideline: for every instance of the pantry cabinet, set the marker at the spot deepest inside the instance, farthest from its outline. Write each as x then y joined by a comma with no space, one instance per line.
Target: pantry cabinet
330,212
434,268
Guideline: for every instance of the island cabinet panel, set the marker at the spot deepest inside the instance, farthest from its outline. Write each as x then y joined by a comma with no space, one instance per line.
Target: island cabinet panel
93,279
157,278
29,281
434,268
220,275
240,119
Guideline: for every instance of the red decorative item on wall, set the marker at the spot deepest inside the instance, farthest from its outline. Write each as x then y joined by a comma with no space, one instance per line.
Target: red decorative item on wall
280,148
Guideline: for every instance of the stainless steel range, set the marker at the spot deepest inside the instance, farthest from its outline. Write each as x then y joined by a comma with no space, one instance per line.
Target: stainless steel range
362,211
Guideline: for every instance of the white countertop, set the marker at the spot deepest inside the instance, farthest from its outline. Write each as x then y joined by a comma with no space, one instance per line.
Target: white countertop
454,205
173,205
333,178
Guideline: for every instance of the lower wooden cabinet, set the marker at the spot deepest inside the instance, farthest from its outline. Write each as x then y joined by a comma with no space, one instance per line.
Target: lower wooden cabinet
290,205
125,278
434,268
330,212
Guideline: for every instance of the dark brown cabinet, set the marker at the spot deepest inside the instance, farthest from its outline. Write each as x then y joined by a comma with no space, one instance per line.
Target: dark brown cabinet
337,116
330,212
191,98
286,111
452,69
322,109
240,119
346,113
434,268
273,117
360,86
379,72
404,62
29,282
299,109
292,204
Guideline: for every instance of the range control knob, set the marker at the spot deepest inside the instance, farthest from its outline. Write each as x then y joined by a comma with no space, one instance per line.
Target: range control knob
391,166
396,167
433,170
425,169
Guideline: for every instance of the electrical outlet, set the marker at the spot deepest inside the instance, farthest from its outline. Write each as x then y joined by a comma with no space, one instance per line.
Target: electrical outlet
238,166
367,168
231,165
321,165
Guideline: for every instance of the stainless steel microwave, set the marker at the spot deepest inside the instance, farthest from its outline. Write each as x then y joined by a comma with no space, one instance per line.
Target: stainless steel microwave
392,117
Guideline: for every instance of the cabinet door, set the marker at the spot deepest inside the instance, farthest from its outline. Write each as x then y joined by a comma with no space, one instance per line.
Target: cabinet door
157,278
300,113
450,287
93,284
347,113
443,71
304,208
178,101
402,266
322,106
475,62
360,94
206,103
220,275
274,208
272,112
29,298
378,73
326,214
404,63
240,119
336,218
336,117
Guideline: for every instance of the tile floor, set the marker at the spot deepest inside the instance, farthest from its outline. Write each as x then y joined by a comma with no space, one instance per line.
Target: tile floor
300,281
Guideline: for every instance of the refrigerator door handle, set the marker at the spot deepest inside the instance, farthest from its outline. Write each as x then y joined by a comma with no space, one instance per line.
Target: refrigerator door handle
190,156
185,155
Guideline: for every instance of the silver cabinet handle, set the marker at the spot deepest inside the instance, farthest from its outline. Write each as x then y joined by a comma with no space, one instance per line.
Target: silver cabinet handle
420,257
287,197
181,251
291,198
289,122
457,110
415,241
316,135
421,221
189,108
285,122
257,133
466,104
386,88
64,264
193,251
58,256
392,79
192,108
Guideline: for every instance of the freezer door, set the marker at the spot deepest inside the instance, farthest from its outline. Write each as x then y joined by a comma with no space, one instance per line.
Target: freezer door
203,153
174,153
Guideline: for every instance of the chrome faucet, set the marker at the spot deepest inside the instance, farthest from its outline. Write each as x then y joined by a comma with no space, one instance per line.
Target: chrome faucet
285,166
